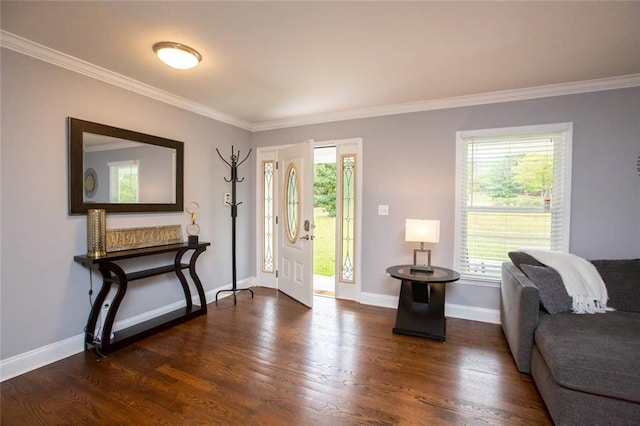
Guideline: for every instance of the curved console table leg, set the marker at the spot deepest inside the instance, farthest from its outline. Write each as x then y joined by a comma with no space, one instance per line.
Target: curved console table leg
196,278
183,281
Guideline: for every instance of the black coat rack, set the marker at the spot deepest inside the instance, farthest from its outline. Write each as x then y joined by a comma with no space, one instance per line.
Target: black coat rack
234,164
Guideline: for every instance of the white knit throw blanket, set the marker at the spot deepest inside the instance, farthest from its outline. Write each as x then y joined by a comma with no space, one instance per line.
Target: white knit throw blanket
581,280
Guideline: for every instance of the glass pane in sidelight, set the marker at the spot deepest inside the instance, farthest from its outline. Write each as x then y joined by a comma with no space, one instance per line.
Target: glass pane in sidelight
348,217
268,215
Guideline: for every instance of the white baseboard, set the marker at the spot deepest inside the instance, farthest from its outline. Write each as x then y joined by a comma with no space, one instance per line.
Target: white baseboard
31,360
472,313
381,300
27,361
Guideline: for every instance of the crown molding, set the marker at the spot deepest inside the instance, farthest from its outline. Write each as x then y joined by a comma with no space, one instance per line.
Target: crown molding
561,89
38,51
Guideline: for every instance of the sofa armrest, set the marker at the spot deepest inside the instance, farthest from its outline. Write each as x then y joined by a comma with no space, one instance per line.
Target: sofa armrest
520,307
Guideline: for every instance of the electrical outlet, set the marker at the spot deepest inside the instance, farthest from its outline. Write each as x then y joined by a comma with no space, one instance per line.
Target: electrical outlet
227,199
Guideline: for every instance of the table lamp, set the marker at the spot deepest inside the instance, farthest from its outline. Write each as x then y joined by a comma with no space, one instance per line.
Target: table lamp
422,231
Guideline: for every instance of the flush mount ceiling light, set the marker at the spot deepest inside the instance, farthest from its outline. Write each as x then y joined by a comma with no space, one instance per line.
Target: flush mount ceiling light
177,55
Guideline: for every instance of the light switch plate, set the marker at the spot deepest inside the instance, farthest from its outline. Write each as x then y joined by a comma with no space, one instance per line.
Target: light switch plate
383,210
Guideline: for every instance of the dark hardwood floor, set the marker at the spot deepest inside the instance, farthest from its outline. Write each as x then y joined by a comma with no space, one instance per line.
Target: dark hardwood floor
270,360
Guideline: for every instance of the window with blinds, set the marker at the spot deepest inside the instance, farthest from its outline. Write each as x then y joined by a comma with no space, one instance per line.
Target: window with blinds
512,192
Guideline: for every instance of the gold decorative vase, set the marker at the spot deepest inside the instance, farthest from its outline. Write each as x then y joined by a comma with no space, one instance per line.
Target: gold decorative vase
96,233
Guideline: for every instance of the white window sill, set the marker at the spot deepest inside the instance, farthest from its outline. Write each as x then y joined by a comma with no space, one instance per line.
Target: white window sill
477,281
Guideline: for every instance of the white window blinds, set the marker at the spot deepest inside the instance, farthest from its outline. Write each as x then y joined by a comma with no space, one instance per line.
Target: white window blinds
513,191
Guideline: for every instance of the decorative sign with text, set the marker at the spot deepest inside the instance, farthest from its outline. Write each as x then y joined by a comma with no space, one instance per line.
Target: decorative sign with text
132,238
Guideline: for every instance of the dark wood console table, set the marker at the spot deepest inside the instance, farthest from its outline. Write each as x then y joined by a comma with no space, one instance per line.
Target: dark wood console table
421,302
114,274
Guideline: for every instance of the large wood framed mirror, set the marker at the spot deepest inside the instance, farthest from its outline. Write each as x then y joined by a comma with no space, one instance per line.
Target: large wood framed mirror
123,171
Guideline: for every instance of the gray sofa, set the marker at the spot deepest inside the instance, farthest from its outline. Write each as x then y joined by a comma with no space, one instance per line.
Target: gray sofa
586,367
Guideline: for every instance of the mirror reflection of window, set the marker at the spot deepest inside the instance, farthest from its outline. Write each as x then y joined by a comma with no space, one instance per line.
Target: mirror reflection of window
123,181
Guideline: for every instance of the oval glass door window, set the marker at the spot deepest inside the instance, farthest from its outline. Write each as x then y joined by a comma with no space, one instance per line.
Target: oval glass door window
292,203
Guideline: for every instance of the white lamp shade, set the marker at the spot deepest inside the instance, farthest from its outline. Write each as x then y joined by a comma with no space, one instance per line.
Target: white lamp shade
422,230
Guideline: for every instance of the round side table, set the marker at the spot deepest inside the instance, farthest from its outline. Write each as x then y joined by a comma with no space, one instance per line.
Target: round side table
421,302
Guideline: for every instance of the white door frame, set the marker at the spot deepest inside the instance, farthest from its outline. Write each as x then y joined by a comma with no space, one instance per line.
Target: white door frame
266,279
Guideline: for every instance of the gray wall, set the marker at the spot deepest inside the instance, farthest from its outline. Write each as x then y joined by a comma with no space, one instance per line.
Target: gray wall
409,164
44,293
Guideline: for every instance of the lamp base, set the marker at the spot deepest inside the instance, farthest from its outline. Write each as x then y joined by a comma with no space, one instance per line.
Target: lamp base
421,268
424,268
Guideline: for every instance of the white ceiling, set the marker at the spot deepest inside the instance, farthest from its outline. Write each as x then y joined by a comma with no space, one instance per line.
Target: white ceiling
266,62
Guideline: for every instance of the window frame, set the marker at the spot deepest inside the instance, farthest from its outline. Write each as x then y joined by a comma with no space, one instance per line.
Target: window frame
462,138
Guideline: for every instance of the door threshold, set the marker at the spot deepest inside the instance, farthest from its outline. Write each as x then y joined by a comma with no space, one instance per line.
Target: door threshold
324,293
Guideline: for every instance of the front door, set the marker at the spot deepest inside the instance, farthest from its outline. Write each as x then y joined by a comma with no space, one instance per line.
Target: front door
295,229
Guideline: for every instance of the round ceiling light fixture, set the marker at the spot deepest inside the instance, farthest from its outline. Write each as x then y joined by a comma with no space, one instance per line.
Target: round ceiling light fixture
177,55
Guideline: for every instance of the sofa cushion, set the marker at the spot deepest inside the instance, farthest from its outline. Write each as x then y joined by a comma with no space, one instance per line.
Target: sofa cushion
595,353
622,278
520,258
553,296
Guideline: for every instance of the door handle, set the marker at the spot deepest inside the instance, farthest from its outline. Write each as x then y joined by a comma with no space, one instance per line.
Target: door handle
307,237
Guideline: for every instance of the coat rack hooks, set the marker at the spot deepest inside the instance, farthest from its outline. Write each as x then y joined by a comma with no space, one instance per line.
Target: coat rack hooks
233,165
